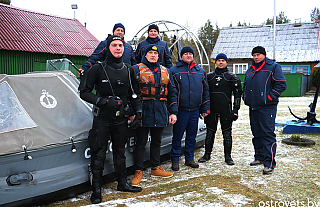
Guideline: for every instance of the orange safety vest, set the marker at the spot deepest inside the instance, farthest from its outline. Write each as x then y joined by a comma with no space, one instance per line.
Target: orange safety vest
148,85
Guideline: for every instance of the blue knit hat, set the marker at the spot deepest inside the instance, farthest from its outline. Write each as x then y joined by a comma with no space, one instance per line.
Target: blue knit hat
186,49
118,25
152,47
222,56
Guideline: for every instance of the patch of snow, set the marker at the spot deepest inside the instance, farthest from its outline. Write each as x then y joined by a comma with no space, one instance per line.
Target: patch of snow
215,190
237,200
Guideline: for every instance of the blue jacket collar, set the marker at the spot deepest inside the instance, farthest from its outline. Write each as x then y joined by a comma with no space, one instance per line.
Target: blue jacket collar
181,63
268,61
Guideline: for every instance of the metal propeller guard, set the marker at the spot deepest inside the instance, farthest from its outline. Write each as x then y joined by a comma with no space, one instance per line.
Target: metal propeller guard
174,32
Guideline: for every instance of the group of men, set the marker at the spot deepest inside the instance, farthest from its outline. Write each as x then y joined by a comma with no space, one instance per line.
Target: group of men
146,89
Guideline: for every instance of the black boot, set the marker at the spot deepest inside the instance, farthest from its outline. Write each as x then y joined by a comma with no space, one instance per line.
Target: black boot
208,145
96,186
227,143
175,165
228,159
124,186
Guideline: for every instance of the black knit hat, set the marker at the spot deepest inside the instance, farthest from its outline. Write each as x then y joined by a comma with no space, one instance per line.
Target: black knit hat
186,49
153,26
152,47
259,49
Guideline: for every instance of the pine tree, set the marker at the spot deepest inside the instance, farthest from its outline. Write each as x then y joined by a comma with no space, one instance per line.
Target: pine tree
208,37
280,19
315,14
5,2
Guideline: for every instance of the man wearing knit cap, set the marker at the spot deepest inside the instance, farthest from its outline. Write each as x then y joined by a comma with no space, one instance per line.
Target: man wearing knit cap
99,53
263,85
222,83
193,100
159,109
114,83
153,38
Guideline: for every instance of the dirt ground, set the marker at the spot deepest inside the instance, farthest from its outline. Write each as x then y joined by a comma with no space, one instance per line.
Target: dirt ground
295,181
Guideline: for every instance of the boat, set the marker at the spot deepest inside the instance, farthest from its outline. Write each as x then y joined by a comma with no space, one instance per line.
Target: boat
44,152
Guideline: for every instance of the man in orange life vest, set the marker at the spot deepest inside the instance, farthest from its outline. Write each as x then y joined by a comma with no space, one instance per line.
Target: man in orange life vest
159,108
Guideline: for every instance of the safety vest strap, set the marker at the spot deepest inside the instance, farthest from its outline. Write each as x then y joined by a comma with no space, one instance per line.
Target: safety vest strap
154,96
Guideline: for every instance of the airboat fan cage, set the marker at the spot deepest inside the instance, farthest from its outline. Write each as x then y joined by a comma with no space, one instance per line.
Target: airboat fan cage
176,33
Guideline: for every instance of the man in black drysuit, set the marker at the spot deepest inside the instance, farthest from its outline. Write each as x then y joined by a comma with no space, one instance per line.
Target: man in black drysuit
222,83
113,81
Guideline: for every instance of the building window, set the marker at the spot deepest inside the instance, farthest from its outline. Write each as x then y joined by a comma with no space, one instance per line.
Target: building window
286,68
302,69
240,68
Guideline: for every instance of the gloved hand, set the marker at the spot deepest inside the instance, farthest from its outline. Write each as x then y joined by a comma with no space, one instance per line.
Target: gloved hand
136,122
233,115
112,102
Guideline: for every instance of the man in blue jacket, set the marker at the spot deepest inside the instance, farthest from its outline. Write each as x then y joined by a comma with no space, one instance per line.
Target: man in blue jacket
100,52
193,99
153,38
263,85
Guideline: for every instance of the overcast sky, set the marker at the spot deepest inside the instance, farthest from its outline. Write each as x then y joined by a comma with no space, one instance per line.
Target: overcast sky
101,15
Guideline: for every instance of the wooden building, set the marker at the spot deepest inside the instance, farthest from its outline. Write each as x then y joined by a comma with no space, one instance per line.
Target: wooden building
28,39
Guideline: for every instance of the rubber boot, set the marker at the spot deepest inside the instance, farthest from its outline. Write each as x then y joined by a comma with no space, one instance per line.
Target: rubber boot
208,145
227,143
96,186
124,186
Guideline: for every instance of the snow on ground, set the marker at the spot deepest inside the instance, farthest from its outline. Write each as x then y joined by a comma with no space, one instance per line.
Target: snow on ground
296,177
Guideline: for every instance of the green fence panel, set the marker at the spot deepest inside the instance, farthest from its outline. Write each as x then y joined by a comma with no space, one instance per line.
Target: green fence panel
297,84
20,62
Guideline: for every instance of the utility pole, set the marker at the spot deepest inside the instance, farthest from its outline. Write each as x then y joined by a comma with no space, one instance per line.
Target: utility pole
74,6
274,31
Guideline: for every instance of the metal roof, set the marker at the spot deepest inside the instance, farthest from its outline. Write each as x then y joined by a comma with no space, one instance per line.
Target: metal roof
294,43
31,31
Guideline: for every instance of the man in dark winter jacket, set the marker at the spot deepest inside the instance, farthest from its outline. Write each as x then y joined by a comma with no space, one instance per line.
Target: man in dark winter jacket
153,38
159,108
222,83
100,52
193,100
113,81
263,85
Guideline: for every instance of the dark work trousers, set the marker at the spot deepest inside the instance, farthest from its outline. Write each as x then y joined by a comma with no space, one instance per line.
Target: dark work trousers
140,146
262,123
187,121
99,143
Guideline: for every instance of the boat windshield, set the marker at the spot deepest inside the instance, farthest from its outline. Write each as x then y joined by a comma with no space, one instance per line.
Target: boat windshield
12,114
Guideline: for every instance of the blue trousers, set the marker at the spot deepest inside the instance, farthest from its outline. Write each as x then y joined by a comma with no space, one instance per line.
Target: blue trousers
187,122
262,123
